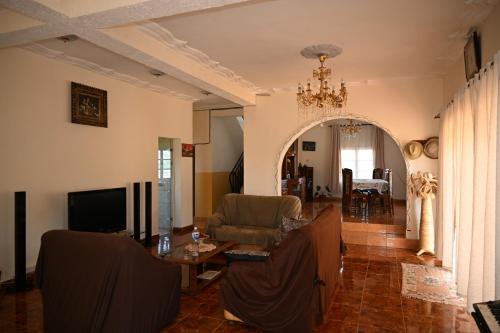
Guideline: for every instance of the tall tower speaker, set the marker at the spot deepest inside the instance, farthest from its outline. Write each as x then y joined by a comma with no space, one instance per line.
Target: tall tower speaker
148,213
137,211
20,239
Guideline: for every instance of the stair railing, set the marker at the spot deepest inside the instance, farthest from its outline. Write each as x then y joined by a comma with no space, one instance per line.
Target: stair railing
236,176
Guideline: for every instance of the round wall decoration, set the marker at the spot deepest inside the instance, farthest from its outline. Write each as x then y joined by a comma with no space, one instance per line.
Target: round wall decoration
431,147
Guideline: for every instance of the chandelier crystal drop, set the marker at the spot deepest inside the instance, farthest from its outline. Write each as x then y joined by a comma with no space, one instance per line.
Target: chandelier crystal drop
351,129
324,102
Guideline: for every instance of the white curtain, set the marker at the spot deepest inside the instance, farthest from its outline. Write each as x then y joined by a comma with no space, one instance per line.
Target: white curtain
468,163
378,148
357,152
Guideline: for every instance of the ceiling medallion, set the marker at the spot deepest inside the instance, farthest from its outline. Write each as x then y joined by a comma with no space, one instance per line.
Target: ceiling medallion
351,129
325,101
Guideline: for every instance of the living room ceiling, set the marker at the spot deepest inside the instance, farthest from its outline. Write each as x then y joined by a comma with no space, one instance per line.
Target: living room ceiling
236,49
380,39
115,40
84,54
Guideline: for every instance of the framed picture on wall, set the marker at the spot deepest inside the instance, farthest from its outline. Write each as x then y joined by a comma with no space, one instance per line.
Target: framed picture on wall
89,105
187,150
309,145
472,56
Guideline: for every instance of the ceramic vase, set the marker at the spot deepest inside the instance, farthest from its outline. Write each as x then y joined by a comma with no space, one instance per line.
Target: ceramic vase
426,227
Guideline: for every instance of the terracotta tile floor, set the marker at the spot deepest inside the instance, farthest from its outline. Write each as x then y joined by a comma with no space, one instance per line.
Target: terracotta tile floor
368,300
399,217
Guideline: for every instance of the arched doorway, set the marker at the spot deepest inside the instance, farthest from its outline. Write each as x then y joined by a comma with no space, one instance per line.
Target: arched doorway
297,139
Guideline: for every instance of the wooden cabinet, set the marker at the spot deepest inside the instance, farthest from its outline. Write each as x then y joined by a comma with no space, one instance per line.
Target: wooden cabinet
308,174
289,167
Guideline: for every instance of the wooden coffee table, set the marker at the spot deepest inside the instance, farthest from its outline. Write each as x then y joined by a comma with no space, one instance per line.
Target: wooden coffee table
179,255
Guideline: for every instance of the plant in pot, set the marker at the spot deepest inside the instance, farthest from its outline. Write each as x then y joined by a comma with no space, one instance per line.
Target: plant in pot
424,185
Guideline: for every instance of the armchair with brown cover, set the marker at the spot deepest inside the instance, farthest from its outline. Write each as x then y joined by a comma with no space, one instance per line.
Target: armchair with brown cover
294,288
92,282
252,219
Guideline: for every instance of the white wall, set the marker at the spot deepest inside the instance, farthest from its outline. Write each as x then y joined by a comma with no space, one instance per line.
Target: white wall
227,143
405,108
201,137
489,32
45,154
394,160
215,161
320,159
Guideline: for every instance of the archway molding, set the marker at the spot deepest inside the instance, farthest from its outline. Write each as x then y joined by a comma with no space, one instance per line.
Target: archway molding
307,125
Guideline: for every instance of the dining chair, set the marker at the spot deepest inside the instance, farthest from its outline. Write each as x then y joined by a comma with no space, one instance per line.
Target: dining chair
388,201
352,200
378,173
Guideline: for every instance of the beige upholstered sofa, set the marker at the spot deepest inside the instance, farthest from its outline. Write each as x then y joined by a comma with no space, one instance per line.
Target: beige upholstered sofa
252,219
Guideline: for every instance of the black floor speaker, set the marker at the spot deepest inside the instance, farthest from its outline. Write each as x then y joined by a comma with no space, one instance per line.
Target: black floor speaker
147,204
137,211
20,239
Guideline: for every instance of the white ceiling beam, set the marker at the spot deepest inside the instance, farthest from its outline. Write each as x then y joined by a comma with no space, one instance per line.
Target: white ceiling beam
153,9
13,21
130,40
56,23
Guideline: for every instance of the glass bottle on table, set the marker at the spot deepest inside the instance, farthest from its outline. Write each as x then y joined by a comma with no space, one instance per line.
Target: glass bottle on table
195,235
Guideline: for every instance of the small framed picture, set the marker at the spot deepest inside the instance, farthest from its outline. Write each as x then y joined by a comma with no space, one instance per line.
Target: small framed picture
472,56
187,150
89,105
308,146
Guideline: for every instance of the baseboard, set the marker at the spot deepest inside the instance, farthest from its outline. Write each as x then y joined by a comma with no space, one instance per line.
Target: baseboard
183,230
9,286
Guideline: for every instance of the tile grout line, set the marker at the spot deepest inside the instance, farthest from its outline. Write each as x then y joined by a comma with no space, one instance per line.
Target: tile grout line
363,293
400,292
218,326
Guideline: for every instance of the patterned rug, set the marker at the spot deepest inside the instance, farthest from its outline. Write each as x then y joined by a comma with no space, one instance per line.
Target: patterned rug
429,283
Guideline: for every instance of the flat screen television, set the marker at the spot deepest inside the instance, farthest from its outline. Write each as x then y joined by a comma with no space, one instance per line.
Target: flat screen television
98,211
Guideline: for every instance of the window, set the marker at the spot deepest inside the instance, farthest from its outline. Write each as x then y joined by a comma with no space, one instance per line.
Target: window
164,164
360,161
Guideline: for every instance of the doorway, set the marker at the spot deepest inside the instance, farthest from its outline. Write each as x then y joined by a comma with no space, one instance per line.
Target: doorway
312,170
165,185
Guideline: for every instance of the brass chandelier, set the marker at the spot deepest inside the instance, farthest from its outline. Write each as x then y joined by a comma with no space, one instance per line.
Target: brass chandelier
351,129
326,101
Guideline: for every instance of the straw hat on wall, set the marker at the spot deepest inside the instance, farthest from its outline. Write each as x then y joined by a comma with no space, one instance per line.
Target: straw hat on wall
413,150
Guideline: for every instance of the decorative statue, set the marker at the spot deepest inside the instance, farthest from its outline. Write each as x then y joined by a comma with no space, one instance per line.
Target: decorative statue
425,185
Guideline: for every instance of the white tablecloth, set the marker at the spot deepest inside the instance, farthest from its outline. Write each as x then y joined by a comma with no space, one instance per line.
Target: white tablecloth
364,184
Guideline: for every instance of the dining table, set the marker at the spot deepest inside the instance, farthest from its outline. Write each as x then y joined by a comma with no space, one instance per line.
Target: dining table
368,184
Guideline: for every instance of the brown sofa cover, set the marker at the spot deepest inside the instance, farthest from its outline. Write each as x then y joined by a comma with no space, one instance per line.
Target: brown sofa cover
252,219
293,289
92,282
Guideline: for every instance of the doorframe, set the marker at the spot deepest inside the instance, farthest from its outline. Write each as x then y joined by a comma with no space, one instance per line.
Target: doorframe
314,122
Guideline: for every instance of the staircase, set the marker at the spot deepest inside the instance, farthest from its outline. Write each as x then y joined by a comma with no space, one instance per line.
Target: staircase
236,176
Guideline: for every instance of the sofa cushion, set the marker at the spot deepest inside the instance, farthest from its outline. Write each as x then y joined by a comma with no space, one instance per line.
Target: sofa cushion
288,224
247,234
